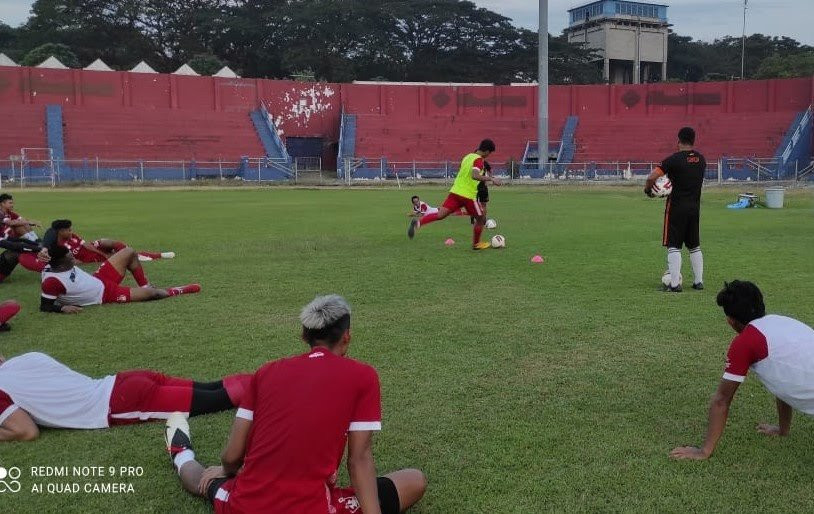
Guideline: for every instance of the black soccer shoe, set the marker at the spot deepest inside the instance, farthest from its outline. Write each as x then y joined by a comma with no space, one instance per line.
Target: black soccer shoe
5,327
177,435
412,228
699,286
671,289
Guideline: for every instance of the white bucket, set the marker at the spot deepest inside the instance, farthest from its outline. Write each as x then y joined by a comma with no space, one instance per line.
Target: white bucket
774,197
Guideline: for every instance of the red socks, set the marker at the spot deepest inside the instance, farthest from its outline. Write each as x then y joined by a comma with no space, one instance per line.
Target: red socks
187,289
236,386
138,274
426,220
29,261
151,255
8,310
477,230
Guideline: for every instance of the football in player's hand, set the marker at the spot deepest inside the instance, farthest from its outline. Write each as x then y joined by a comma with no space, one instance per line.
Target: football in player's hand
663,187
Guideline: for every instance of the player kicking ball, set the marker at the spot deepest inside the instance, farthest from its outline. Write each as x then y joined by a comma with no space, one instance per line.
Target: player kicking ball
39,391
67,288
778,349
291,429
463,194
61,232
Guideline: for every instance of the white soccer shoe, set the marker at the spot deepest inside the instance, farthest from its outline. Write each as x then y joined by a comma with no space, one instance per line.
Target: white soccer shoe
168,255
176,435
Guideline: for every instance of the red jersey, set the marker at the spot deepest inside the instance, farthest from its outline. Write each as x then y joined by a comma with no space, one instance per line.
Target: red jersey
76,245
302,409
6,217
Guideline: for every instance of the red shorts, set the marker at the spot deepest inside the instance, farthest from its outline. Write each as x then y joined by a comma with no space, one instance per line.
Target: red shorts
455,202
86,256
114,293
145,395
343,500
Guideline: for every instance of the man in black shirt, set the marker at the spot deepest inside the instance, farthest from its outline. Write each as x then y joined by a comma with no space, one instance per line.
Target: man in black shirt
685,169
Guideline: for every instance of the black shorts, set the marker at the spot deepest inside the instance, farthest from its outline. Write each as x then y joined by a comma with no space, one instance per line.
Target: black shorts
388,494
681,226
483,195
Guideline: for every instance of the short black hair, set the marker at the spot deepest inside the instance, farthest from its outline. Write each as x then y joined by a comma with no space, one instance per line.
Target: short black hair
61,224
415,197
686,136
741,301
487,145
331,334
5,196
57,253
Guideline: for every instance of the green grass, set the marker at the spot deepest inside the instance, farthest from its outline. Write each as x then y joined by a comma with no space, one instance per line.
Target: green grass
515,387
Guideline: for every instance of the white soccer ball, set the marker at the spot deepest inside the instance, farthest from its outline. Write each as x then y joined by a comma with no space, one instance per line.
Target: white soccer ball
498,241
665,279
490,223
663,186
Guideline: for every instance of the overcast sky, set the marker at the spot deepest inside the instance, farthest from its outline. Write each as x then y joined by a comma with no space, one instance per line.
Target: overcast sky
701,19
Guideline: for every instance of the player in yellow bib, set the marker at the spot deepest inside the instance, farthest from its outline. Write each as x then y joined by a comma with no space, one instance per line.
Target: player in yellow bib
463,194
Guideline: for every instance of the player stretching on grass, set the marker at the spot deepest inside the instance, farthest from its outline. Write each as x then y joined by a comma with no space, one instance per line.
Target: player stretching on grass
682,212
36,390
67,288
61,232
13,226
463,194
779,350
291,430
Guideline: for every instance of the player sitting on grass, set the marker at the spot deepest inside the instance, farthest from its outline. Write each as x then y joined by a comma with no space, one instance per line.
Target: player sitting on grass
13,226
61,233
67,288
464,193
778,349
36,390
20,251
291,429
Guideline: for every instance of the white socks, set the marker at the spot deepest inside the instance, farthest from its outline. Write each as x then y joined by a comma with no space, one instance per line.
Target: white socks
31,236
674,265
182,458
697,261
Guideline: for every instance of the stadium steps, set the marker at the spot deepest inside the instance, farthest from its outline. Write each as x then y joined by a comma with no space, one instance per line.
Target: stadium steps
27,130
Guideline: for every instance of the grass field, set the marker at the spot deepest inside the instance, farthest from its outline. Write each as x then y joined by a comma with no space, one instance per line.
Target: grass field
515,387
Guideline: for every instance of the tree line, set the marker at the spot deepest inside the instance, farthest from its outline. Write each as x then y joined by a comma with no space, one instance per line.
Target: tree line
345,40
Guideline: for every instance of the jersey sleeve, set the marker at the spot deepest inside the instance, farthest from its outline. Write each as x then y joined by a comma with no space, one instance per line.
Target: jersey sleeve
246,408
7,407
747,348
478,164
52,288
367,414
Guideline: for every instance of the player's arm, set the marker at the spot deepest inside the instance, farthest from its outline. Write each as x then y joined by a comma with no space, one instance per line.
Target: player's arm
50,305
362,470
718,413
784,415
651,180
18,426
93,249
232,456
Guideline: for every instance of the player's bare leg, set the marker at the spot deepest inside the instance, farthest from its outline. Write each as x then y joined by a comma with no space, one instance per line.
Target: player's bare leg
110,246
410,485
415,223
126,260
149,293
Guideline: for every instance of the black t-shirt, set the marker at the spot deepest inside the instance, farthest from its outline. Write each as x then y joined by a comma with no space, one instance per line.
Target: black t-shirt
686,172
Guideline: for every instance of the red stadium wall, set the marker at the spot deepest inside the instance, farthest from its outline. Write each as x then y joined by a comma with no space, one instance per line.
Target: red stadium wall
314,109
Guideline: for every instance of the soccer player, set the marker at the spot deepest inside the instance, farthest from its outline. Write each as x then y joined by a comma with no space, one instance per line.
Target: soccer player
682,212
8,310
37,390
421,208
290,431
778,349
20,251
12,225
67,288
463,194
61,232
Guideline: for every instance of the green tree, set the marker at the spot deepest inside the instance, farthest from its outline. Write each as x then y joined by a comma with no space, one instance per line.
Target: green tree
777,66
43,52
206,64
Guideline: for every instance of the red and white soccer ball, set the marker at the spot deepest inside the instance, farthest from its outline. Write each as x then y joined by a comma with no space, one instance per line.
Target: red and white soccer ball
498,241
663,186
665,279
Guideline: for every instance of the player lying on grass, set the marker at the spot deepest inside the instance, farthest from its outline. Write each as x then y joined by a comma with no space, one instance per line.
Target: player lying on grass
38,391
422,208
67,288
61,232
290,431
463,194
8,310
12,225
778,349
